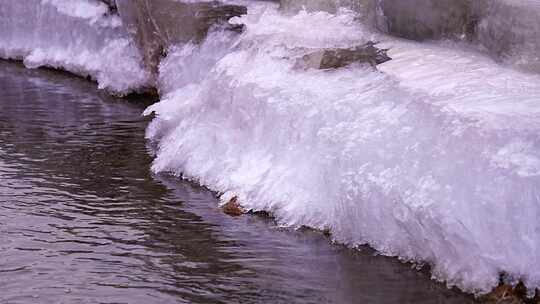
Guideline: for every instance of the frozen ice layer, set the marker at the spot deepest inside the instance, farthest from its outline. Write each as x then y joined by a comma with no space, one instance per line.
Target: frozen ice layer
435,158
78,36
511,30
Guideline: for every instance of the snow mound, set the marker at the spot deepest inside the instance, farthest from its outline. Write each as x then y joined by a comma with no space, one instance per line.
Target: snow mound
435,158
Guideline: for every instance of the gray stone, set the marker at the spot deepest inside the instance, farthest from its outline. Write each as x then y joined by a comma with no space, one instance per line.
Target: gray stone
338,57
427,19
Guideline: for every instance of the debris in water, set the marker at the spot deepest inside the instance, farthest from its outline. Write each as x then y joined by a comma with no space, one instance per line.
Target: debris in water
233,208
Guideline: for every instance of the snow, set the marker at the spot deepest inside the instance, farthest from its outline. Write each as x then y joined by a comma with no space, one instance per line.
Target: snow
435,158
79,37
86,9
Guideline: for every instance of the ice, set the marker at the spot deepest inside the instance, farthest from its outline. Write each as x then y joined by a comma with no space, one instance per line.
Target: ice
77,36
510,30
435,158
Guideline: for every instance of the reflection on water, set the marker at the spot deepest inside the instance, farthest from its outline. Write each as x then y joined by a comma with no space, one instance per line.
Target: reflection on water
82,220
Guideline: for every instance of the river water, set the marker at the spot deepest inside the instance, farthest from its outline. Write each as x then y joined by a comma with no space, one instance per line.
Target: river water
83,220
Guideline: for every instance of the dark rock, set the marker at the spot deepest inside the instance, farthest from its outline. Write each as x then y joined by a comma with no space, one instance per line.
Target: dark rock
261,213
337,58
233,208
111,4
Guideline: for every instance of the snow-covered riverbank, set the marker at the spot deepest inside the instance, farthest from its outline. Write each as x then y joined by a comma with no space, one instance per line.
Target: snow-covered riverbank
433,157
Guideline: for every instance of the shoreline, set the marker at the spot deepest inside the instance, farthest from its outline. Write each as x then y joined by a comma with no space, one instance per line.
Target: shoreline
501,150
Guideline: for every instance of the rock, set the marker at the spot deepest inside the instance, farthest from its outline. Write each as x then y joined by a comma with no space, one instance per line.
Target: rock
503,294
111,4
509,30
426,19
158,24
506,294
337,58
233,208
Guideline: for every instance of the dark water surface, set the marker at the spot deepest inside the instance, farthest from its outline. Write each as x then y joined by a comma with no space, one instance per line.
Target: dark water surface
82,219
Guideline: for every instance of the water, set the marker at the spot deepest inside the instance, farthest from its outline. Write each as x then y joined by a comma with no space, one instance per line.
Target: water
82,219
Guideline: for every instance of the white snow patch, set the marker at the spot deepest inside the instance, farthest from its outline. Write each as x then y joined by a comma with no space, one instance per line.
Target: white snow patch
86,9
523,156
